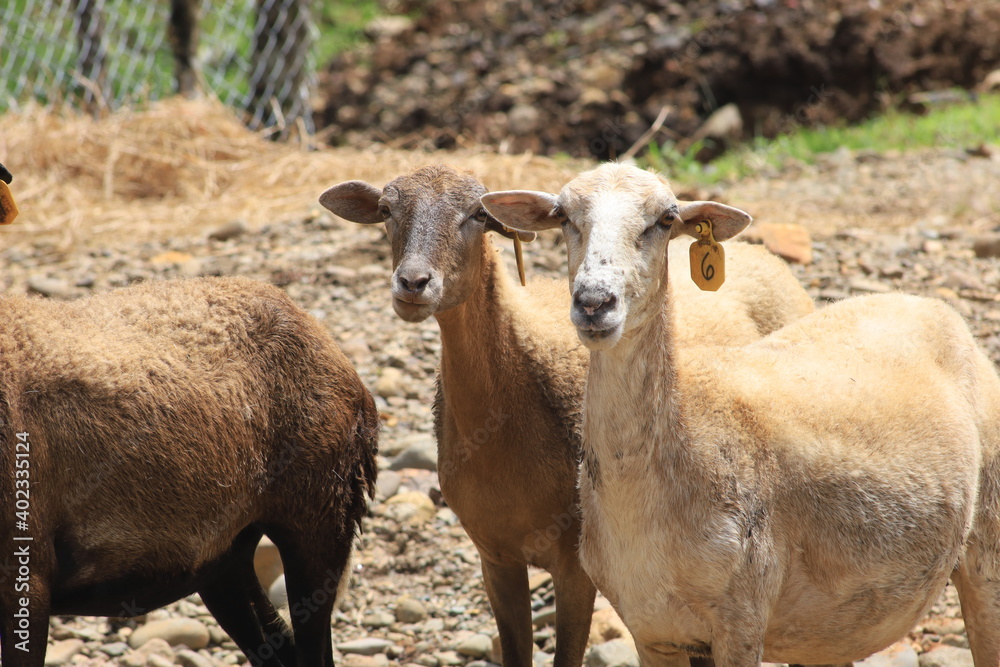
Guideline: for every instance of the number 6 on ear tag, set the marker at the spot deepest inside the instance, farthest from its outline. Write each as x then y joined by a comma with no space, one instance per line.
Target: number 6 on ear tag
708,259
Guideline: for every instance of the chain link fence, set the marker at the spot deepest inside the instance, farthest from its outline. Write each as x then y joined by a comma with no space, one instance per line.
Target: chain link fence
254,55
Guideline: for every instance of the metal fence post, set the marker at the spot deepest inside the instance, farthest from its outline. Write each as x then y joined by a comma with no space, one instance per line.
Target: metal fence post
93,71
279,77
183,31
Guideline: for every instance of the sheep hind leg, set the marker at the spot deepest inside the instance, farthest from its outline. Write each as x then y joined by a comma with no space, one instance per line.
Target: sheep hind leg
575,595
980,598
507,589
312,577
243,610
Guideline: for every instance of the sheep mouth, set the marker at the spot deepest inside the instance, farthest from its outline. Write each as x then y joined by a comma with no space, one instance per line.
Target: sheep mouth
412,311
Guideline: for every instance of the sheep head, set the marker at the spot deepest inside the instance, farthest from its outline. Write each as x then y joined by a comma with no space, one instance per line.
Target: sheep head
617,220
435,224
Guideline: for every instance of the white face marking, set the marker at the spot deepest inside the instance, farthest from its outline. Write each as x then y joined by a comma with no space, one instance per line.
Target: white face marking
616,249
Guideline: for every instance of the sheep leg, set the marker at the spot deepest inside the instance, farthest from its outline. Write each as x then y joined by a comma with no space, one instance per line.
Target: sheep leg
507,589
26,649
313,572
575,595
244,611
980,598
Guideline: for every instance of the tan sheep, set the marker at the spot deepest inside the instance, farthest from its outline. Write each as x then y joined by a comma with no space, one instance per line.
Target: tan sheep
151,435
511,382
802,499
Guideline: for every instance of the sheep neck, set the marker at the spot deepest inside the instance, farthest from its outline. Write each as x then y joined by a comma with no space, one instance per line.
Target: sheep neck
477,345
633,422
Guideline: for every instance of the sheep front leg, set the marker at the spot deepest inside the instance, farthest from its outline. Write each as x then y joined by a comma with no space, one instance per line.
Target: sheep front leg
980,597
26,605
507,589
575,595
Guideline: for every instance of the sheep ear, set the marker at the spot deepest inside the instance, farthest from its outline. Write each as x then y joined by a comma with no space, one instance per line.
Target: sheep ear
727,221
523,210
494,225
356,201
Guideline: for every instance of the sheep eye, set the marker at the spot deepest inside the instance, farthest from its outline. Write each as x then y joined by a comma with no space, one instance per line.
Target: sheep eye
559,214
481,215
668,218
384,211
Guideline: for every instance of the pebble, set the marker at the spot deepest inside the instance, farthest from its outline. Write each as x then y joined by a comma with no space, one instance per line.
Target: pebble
114,649
387,484
412,508
900,654
267,562
449,658
390,383
188,658
475,646
277,592
364,646
543,617
378,619
141,656
60,652
987,246
422,455
410,610
947,656
606,625
359,660
56,288
615,653
871,286
175,631
230,230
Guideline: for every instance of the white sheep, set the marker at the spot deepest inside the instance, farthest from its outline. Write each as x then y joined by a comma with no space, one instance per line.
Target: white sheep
151,435
511,382
802,499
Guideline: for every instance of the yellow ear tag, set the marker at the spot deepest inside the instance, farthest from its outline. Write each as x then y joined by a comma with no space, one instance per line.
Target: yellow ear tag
8,209
708,259
518,256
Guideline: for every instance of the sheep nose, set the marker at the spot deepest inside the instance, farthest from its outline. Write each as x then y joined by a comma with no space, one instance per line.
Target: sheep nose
593,304
415,282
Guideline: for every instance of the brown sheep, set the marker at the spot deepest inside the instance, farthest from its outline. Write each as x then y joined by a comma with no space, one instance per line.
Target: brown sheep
150,436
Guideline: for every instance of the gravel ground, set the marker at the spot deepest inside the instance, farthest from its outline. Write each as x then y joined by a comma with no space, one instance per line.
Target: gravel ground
417,593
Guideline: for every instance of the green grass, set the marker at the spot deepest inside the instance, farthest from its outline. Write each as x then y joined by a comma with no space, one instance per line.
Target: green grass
957,126
341,26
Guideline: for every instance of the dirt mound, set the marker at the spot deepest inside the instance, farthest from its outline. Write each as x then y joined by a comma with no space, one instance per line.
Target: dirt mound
588,77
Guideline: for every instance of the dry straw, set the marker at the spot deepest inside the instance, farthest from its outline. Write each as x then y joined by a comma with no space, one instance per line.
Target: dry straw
182,167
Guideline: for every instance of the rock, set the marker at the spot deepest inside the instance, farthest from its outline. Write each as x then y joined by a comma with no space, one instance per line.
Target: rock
449,658
60,652
870,286
543,617
188,658
538,580
278,593
606,625
378,619
390,383
947,656
523,119
615,653
364,646
475,646
114,649
175,631
422,455
900,654
358,660
411,507
387,484
171,257
267,562
53,287
409,610
159,661
786,240
153,647
397,446
230,230
987,246
991,81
